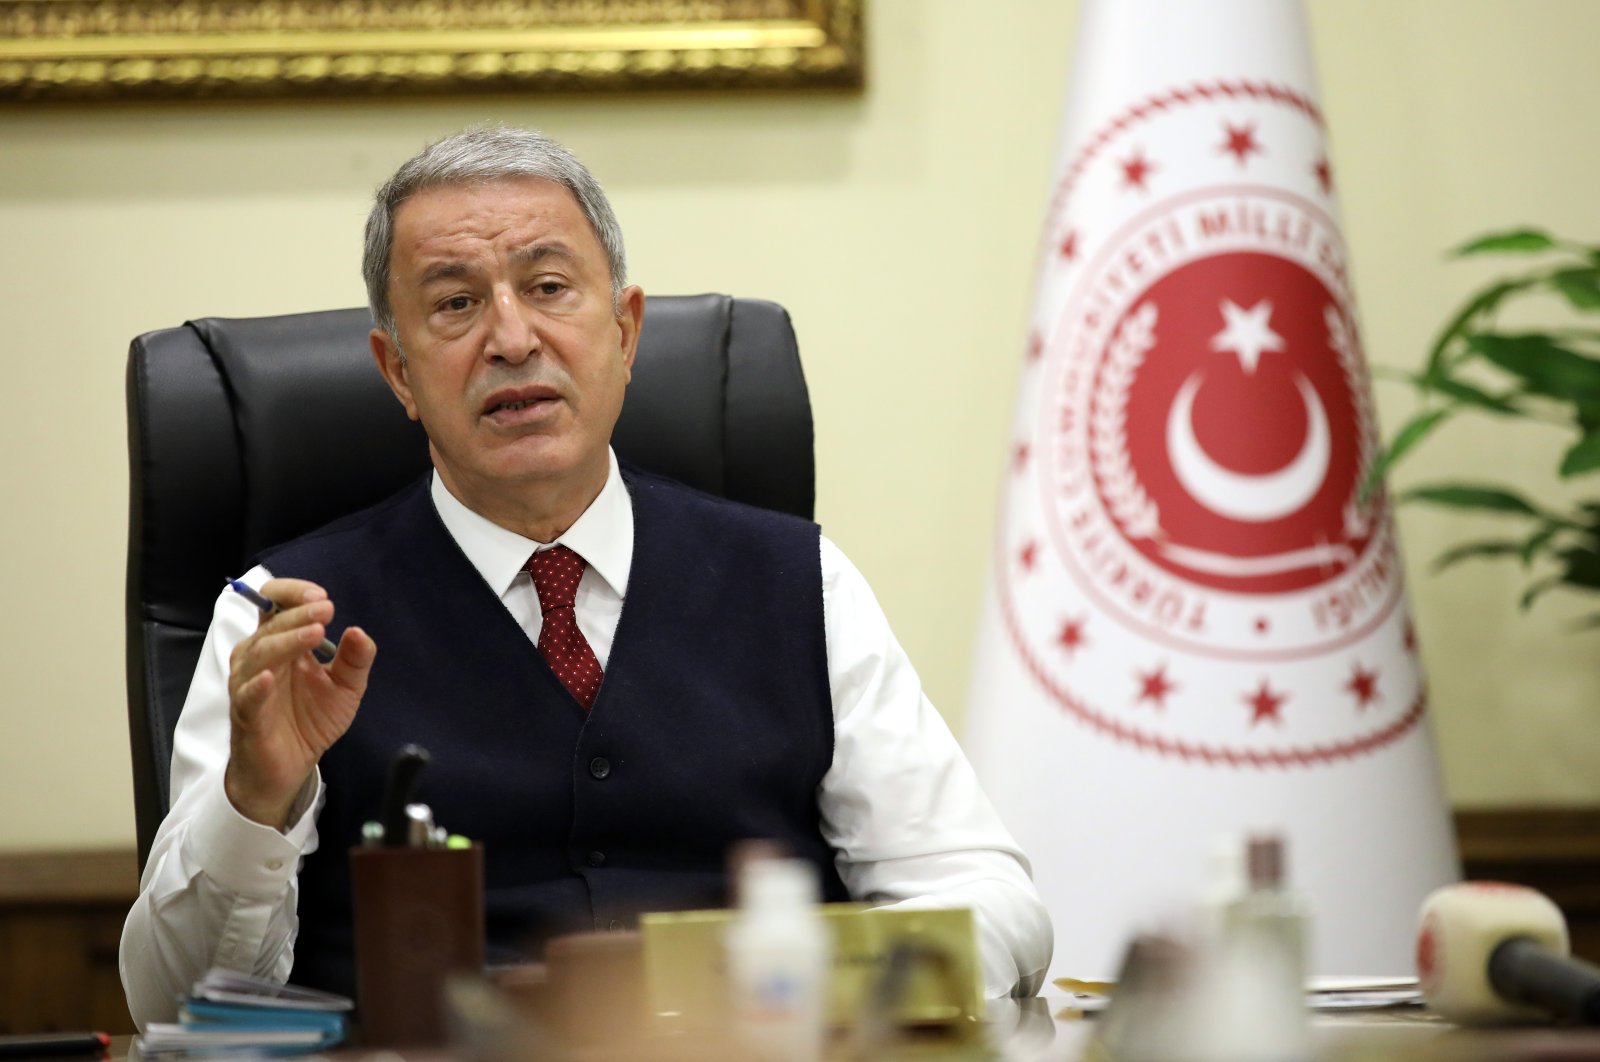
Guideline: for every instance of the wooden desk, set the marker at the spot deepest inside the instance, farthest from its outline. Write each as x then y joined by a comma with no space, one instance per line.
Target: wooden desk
1047,1028
1044,1030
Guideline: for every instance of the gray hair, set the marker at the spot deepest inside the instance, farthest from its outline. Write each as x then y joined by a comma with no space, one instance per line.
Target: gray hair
488,153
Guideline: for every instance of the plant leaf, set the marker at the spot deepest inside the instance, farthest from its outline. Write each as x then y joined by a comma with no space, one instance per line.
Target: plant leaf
1412,432
1588,335
1467,394
1582,567
1537,541
1494,547
1546,367
1584,456
1516,241
1471,496
1580,286
1481,303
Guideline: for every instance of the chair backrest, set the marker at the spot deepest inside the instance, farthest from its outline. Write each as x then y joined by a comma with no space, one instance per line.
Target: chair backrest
246,433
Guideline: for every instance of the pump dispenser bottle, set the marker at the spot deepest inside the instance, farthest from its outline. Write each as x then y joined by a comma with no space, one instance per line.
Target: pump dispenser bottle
1261,964
778,959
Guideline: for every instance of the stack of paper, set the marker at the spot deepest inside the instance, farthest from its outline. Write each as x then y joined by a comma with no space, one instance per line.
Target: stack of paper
233,1012
1363,993
1322,993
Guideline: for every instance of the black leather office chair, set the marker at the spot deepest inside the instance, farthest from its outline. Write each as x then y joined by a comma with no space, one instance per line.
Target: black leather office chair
246,433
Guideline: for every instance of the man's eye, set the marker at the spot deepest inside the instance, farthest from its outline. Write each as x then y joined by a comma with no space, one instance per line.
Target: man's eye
456,303
550,287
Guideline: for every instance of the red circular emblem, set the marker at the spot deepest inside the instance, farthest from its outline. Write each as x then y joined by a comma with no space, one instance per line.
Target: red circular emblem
1207,427
1237,461
1188,562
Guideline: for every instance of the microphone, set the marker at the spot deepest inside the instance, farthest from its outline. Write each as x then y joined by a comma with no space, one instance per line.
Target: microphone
1489,953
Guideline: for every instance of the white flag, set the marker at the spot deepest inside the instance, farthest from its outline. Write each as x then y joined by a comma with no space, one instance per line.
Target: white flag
1194,630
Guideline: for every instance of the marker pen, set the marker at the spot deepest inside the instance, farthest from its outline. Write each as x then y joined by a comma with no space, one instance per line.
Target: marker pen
327,649
42,1044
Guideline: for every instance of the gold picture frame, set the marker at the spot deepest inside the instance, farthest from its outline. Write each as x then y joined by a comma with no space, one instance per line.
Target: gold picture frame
76,49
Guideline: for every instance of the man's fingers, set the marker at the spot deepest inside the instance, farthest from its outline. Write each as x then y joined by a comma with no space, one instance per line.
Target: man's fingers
264,650
353,662
287,593
312,612
250,696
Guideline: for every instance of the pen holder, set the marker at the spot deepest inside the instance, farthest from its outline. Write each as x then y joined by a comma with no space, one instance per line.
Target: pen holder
418,918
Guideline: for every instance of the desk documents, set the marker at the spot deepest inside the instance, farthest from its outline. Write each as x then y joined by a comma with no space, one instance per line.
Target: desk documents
231,1012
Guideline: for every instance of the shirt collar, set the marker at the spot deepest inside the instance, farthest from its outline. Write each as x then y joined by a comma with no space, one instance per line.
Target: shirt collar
602,535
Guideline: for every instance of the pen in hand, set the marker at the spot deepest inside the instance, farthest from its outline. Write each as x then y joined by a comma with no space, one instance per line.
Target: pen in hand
325,651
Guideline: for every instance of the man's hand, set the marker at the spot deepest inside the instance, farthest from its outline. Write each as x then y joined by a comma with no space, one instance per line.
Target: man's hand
285,707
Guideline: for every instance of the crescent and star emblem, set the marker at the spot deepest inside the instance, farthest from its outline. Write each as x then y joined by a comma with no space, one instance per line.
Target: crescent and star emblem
1255,498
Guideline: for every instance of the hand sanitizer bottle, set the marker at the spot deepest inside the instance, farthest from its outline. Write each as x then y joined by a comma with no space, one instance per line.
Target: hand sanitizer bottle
1259,995
778,959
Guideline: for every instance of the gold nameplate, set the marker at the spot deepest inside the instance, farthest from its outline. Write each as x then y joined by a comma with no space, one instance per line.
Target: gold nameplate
685,966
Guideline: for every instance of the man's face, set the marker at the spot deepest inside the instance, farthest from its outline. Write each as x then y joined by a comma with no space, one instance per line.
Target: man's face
515,362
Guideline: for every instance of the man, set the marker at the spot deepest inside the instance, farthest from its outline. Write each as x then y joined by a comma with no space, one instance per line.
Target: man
705,672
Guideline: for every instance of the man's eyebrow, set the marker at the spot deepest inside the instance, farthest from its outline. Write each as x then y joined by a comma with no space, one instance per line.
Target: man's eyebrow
536,252
533,252
444,271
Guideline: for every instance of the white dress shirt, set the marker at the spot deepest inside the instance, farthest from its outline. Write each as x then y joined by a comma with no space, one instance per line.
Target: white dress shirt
900,805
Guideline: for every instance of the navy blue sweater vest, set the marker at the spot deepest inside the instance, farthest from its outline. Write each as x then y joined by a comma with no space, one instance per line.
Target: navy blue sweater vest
713,723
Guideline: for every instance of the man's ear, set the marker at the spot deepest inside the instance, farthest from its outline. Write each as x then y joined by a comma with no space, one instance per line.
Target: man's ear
386,352
630,318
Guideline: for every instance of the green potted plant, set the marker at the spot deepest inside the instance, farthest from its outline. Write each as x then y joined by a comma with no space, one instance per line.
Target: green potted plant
1480,367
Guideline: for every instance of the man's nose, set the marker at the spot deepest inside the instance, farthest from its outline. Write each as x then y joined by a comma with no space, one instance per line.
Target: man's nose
513,331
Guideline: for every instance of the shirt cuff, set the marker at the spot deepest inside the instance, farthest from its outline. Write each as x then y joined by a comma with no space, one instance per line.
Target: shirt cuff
244,857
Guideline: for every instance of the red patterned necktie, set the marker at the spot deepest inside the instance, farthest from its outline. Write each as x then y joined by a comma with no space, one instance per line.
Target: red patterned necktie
556,572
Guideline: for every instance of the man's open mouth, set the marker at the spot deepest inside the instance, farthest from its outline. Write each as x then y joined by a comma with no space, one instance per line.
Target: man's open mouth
520,404
510,401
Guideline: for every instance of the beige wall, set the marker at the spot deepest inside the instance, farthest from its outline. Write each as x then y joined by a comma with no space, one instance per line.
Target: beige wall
898,227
